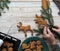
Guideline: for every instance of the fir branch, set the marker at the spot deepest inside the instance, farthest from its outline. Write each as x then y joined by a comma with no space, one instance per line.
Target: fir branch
36,30
3,4
39,31
47,14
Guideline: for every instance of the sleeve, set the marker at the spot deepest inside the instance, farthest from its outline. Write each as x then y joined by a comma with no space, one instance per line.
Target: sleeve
56,47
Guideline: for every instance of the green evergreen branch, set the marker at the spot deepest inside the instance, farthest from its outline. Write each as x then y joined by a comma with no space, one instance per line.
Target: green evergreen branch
47,14
3,4
39,31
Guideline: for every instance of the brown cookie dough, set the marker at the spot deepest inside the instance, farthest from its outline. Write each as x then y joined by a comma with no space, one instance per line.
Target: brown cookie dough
28,50
4,49
10,49
8,44
38,42
25,46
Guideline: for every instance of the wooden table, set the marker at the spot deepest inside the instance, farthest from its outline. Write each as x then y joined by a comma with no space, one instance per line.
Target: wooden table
24,11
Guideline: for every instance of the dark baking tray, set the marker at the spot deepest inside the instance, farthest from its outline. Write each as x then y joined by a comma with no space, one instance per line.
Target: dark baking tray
11,39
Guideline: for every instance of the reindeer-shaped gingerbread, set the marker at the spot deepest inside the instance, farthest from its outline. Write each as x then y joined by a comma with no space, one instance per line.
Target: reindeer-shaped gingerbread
24,28
40,21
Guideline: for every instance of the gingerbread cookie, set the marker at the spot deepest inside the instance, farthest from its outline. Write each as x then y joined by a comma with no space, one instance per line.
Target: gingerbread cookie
24,28
4,49
40,21
8,44
25,46
28,50
32,46
10,49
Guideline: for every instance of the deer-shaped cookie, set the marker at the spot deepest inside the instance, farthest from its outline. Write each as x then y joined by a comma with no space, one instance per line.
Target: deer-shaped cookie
40,21
24,28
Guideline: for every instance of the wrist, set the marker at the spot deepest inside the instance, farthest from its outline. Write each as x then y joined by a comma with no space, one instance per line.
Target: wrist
59,33
53,42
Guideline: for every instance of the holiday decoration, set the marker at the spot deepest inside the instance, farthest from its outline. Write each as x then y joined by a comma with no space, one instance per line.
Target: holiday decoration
24,28
3,4
47,13
45,19
57,2
40,21
45,4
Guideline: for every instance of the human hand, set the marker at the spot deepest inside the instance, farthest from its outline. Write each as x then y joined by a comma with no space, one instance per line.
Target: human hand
57,30
49,36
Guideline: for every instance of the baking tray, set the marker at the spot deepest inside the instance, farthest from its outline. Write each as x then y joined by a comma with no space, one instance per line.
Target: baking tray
16,42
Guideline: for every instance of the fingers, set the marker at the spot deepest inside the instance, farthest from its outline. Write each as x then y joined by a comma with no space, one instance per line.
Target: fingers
45,32
55,29
58,26
49,32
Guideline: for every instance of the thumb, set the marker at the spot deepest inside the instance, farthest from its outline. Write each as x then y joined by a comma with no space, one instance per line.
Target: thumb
49,32
55,29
